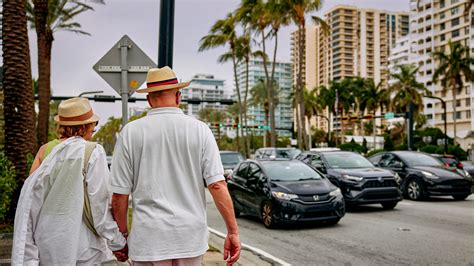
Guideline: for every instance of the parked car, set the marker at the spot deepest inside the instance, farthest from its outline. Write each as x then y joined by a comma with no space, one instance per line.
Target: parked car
230,159
272,153
425,176
449,160
358,179
284,191
468,167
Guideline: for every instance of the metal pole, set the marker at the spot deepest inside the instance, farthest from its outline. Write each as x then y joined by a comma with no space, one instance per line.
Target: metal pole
375,132
124,87
410,126
165,42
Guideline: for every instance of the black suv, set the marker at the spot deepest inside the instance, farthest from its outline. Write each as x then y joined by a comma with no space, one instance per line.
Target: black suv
425,176
273,153
358,179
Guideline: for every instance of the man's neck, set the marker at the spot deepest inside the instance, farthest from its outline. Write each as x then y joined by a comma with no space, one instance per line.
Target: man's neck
165,106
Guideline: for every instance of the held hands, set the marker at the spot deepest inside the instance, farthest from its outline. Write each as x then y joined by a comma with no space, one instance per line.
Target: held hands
122,254
232,248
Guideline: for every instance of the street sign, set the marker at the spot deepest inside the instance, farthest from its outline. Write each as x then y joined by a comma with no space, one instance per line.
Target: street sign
109,67
389,115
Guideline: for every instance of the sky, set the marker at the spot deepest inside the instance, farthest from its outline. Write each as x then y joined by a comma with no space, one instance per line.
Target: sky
74,55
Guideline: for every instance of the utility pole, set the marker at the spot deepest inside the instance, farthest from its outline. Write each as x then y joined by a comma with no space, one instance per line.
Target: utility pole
165,41
443,104
410,126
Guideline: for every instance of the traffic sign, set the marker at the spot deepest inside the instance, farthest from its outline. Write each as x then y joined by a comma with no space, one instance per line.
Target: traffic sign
109,67
389,115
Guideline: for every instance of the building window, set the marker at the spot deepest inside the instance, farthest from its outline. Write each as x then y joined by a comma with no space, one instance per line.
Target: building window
468,102
430,105
441,16
454,22
458,103
443,93
430,116
468,114
455,33
458,115
454,10
454,1
442,37
468,90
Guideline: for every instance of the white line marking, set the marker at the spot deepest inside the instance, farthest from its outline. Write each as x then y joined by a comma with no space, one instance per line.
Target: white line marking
253,249
405,203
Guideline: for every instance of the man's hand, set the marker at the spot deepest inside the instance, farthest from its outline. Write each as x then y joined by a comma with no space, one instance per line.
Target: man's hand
232,248
122,254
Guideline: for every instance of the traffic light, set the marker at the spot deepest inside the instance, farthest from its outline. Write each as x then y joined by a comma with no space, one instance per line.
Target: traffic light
369,116
354,118
344,118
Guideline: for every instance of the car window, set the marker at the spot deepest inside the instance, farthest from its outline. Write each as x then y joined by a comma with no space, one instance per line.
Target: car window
289,171
254,171
390,160
346,160
376,158
258,154
242,171
231,158
268,153
316,160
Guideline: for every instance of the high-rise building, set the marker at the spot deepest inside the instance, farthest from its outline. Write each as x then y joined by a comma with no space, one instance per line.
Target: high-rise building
204,87
358,44
432,24
284,110
400,54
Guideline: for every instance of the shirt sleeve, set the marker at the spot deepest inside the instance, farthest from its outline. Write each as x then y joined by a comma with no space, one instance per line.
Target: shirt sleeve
99,197
212,169
121,168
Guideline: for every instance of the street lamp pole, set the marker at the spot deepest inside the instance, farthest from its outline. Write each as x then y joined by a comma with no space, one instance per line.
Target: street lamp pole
89,92
443,103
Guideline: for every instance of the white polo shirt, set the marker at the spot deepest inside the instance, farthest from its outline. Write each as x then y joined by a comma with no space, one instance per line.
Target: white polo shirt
162,160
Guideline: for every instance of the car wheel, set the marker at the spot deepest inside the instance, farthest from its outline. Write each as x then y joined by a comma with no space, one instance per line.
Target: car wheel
460,197
268,217
414,190
389,205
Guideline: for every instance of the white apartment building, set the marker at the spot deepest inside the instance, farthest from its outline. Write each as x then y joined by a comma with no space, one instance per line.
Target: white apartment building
400,54
432,24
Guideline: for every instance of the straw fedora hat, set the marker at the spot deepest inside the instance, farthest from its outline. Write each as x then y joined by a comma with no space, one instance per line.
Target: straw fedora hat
74,112
159,79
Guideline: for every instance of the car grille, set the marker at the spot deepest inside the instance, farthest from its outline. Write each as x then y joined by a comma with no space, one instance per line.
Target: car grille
309,215
456,184
376,183
310,198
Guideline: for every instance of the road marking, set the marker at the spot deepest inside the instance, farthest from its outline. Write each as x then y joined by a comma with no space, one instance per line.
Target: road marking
253,249
405,203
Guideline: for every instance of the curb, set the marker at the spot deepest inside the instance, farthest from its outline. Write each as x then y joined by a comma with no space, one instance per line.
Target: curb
249,255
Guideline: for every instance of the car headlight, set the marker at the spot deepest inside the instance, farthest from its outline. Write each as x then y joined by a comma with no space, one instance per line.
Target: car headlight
352,178
335,193
429,175
284,196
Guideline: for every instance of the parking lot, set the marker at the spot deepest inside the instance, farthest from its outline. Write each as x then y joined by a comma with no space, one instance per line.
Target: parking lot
435,231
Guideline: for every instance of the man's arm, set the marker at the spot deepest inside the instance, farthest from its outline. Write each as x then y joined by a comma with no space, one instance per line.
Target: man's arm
120,211
223,202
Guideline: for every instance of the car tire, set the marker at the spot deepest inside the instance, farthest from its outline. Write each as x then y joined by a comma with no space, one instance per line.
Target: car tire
389,205
414,190
460,197
268,217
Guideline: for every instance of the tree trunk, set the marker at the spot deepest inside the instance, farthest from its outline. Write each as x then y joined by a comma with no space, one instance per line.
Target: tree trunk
299,82
245,128
45,41
269,85
453,84
19,112
271,96
234,64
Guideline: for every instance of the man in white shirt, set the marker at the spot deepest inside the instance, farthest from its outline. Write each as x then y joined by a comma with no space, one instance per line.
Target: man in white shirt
163,160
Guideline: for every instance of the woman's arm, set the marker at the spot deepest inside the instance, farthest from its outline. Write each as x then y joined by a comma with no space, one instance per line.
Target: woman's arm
37,161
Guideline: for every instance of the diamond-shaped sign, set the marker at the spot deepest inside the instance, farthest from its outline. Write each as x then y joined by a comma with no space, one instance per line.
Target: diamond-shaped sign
138,63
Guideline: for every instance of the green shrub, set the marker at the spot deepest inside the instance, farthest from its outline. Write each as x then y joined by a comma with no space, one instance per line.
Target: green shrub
373,152
7,185
430,149
351,146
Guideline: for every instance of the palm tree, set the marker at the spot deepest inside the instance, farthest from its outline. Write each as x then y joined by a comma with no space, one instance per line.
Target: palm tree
406,89
453,69
298,9
48,17
312,105
373,98
19,112
327,99
259,98
233,111
223,33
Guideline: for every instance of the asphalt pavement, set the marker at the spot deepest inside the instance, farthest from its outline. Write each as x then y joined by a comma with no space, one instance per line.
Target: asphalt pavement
437,231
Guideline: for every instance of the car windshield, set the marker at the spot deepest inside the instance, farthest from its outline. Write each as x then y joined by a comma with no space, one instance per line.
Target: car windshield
449,161
231,158
347,160
288,154
289,171
419,159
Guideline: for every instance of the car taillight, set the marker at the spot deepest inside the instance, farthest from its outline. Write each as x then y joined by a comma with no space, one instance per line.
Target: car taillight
447,165
460,165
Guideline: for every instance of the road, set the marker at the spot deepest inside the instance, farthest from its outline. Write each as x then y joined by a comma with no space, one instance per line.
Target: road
438,231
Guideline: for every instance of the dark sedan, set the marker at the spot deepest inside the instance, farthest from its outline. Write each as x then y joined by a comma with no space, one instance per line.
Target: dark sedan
425,176
284,191
358,179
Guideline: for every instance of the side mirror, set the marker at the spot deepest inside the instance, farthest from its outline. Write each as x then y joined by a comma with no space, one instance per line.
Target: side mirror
320,167
398,165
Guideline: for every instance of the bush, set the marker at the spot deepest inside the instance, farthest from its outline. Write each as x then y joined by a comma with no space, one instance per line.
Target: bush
8,185
373,152
430,149
351,146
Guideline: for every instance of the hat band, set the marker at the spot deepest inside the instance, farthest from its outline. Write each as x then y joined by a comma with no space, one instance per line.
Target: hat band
82,117
162,82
